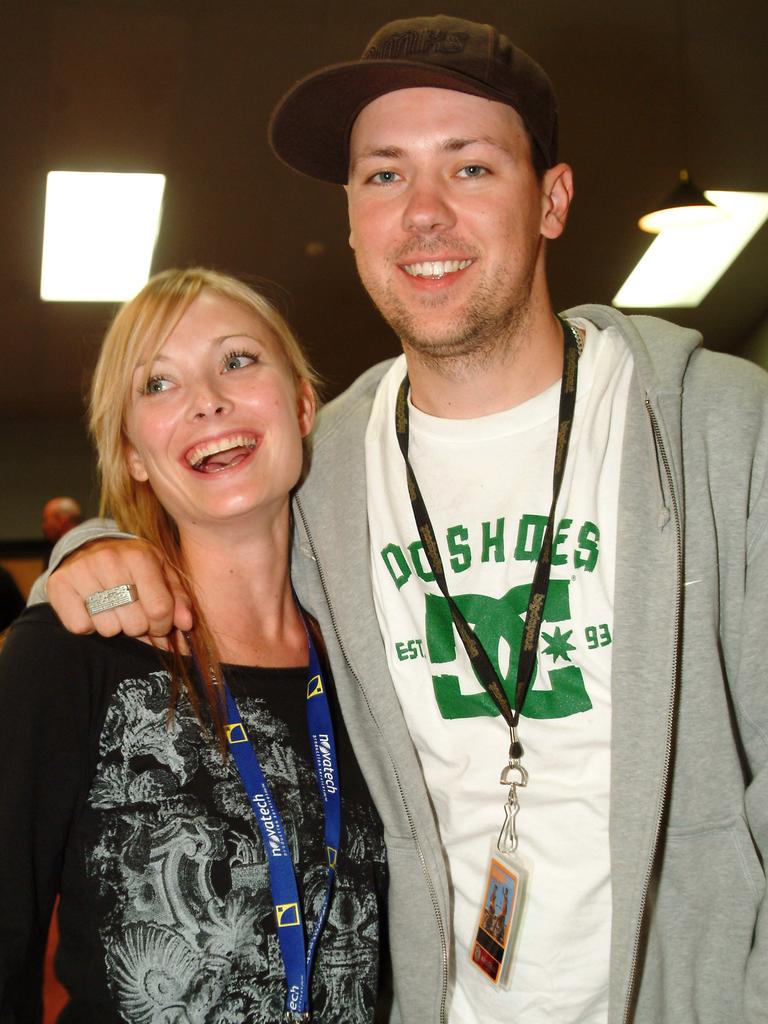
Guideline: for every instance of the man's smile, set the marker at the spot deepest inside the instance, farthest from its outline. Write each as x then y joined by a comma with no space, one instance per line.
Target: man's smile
435,268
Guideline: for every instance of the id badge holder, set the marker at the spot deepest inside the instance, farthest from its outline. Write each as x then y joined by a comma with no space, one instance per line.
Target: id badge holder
493,945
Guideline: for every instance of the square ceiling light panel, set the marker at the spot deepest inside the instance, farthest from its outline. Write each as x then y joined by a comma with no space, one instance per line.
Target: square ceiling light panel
683,264
100,233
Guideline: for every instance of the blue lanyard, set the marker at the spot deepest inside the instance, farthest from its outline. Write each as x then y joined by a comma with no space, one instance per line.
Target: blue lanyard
289,918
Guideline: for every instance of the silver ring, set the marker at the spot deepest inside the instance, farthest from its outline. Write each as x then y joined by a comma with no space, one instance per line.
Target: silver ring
105,600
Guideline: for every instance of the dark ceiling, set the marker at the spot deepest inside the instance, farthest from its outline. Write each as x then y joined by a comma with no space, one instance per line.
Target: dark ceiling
184,87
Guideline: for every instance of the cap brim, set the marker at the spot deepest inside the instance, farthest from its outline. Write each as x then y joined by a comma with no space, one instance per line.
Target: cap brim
310,127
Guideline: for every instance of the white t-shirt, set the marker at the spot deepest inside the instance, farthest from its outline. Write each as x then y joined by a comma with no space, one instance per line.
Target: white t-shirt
487,484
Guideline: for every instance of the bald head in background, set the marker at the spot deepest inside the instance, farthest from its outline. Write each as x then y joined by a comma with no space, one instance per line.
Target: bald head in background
59,516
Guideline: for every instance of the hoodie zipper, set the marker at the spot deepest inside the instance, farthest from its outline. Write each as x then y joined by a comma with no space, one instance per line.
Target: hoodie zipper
411,823
662,454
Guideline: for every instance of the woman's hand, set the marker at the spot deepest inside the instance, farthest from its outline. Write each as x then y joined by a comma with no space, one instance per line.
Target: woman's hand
161,601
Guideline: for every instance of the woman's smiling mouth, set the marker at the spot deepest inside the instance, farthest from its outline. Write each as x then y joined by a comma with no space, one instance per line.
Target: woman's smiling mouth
221,453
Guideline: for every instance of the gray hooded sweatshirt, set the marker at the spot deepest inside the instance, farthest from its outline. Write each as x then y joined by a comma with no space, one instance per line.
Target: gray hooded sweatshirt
689,760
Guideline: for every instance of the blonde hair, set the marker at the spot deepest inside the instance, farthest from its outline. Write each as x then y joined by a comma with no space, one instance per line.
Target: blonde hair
138,332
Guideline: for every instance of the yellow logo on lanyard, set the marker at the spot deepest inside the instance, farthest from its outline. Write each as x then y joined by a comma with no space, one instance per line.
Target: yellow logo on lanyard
287,915
314,687
236,733
332,855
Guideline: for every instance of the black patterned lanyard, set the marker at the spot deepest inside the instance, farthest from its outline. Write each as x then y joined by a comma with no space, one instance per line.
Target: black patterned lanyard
481,663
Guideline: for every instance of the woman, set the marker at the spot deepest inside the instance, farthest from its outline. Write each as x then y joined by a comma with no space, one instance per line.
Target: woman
127,785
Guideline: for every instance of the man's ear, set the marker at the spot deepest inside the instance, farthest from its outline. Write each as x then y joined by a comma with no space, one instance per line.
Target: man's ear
556,196
135,465
306,405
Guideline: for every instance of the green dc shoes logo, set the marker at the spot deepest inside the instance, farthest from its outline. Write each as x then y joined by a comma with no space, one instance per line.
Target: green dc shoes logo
498,623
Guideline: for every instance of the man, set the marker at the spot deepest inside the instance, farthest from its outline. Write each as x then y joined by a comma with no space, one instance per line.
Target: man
633,604
59,516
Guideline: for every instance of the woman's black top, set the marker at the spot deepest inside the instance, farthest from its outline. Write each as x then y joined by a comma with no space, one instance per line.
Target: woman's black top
145,831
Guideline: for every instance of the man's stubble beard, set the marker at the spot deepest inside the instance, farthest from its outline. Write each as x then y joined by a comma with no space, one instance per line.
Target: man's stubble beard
478,334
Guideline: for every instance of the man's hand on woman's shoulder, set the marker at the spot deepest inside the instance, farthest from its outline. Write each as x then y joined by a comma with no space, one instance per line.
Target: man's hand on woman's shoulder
100,565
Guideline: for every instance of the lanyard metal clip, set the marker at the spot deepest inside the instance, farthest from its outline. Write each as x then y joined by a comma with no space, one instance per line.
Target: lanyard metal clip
513,775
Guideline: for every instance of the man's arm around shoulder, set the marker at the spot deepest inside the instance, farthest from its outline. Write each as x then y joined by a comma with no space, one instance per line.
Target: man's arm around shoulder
97,556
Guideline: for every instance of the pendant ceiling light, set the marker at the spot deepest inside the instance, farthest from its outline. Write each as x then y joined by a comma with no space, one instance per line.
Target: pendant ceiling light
698,235
685,206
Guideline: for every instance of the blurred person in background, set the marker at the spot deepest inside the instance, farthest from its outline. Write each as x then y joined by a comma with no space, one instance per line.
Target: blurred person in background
60,515
11,600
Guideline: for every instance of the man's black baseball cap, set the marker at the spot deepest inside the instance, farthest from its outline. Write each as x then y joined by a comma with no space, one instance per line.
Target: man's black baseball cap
310,126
